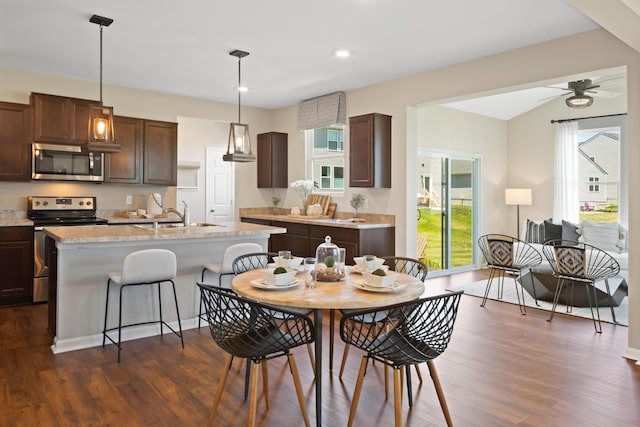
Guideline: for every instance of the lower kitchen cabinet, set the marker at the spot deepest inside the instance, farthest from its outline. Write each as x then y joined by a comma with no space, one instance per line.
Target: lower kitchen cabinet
304,239
16,265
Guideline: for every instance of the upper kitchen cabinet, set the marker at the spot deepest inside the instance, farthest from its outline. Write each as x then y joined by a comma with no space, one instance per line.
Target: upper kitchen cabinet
15,142
148,154
160,148
60,120
370,151
272,160
126,166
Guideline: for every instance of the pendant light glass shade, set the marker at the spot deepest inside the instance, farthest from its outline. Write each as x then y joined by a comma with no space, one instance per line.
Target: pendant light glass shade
101,124
239,145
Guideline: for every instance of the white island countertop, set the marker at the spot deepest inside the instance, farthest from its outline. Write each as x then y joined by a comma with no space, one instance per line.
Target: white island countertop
131,233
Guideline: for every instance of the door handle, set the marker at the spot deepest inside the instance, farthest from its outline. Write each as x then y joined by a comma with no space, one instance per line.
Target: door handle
212,211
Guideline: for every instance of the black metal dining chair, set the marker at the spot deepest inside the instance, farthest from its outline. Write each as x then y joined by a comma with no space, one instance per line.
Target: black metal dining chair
406,334
405,265
575,264
506,254
258,333
261,260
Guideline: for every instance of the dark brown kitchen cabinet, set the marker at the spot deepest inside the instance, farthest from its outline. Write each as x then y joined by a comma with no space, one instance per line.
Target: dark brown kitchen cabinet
126,166
15,142
296,239
304,239
272,160
160,153
370,151
60,119
16,265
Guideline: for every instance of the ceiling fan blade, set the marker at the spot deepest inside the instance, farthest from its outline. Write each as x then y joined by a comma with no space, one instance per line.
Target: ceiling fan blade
554,96
603,93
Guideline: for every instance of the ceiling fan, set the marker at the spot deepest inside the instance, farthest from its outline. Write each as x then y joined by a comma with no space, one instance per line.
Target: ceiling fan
582,92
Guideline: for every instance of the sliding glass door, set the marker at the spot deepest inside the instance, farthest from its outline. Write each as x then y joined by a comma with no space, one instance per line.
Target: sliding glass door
447,210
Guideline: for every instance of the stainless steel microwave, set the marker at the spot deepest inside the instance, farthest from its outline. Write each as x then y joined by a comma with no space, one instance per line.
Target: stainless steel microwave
66,163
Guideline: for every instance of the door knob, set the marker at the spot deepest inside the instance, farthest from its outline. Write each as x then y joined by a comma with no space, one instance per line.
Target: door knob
212,211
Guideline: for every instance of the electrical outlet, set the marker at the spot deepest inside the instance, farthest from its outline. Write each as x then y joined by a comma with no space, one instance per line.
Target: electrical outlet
129,199
365,204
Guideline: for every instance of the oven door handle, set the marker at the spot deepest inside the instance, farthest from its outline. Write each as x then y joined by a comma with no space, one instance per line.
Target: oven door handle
91,162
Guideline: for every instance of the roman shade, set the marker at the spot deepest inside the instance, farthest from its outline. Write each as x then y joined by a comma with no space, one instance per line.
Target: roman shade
322,111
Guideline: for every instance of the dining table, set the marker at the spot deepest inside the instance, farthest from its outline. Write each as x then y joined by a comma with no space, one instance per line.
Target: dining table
349,293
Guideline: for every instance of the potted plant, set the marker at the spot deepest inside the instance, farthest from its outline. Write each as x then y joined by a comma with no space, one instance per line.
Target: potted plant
357,201
275,201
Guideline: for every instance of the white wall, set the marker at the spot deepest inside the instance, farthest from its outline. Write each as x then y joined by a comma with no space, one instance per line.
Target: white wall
447,130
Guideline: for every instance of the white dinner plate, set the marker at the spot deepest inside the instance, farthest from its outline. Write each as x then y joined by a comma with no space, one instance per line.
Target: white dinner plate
362,284
257,283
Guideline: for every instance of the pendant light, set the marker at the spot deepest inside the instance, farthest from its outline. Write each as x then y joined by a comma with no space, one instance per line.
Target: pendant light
239,145
101,136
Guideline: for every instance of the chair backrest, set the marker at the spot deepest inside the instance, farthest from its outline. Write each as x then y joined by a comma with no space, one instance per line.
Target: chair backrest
579,261
149,266
252,330
501,251
234,251
411,266
407,333
252,261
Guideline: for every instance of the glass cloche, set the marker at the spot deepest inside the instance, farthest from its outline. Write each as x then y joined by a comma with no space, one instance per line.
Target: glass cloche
328,262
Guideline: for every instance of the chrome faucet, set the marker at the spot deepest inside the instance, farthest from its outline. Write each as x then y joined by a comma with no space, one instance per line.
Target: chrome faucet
184,217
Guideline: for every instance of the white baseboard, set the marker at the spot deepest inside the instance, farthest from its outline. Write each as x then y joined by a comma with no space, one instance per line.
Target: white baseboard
633,354
136,332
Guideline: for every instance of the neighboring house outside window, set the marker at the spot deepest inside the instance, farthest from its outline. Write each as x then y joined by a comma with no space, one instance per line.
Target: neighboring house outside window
325,156
599,173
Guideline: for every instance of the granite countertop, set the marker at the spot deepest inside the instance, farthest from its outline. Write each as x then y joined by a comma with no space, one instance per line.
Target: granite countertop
131,233
339,223
15,222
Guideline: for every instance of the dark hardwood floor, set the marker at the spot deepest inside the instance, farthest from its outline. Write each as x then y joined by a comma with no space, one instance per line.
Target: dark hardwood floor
501,369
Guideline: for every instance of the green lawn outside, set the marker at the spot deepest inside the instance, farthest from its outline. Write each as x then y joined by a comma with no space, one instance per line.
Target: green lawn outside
461,238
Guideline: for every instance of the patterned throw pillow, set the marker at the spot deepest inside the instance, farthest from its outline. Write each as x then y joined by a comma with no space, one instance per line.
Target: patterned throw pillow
535,232
501,252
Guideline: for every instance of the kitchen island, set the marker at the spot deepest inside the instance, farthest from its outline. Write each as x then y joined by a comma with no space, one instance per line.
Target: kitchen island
81,257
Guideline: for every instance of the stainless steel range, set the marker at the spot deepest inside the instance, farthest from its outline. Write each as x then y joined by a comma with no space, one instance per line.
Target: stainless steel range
50,211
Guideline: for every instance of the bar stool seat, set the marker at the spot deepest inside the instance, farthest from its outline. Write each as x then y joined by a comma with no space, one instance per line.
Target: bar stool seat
144,267
225,267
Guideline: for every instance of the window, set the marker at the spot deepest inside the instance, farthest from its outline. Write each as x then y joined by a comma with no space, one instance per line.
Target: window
599,174
325,156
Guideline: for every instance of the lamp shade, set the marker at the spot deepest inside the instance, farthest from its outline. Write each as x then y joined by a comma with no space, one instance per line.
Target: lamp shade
517,196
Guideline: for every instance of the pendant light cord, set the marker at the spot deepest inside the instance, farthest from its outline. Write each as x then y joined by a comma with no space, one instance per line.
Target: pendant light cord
239,91
100,64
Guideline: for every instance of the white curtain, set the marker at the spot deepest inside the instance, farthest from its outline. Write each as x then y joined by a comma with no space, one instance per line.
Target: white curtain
565,198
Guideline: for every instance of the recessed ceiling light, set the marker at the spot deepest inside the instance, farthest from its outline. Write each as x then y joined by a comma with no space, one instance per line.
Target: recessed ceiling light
342,53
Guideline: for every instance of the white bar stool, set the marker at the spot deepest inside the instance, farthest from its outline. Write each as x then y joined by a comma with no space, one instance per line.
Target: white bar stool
144,267
225,268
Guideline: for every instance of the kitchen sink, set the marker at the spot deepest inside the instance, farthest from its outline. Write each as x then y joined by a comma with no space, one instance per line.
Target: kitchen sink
177,225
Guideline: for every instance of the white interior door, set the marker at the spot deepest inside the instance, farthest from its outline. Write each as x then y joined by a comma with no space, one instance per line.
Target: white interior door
220,187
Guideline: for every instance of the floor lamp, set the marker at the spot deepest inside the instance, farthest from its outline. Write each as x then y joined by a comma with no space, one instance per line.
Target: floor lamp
517,196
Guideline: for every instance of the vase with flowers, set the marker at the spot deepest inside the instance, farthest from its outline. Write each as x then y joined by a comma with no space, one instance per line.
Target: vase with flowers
303,187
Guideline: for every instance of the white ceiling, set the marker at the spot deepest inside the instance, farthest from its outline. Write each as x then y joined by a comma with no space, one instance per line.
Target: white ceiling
182,47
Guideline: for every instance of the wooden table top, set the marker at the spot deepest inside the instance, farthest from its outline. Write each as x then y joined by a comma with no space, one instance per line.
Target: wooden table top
327,295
